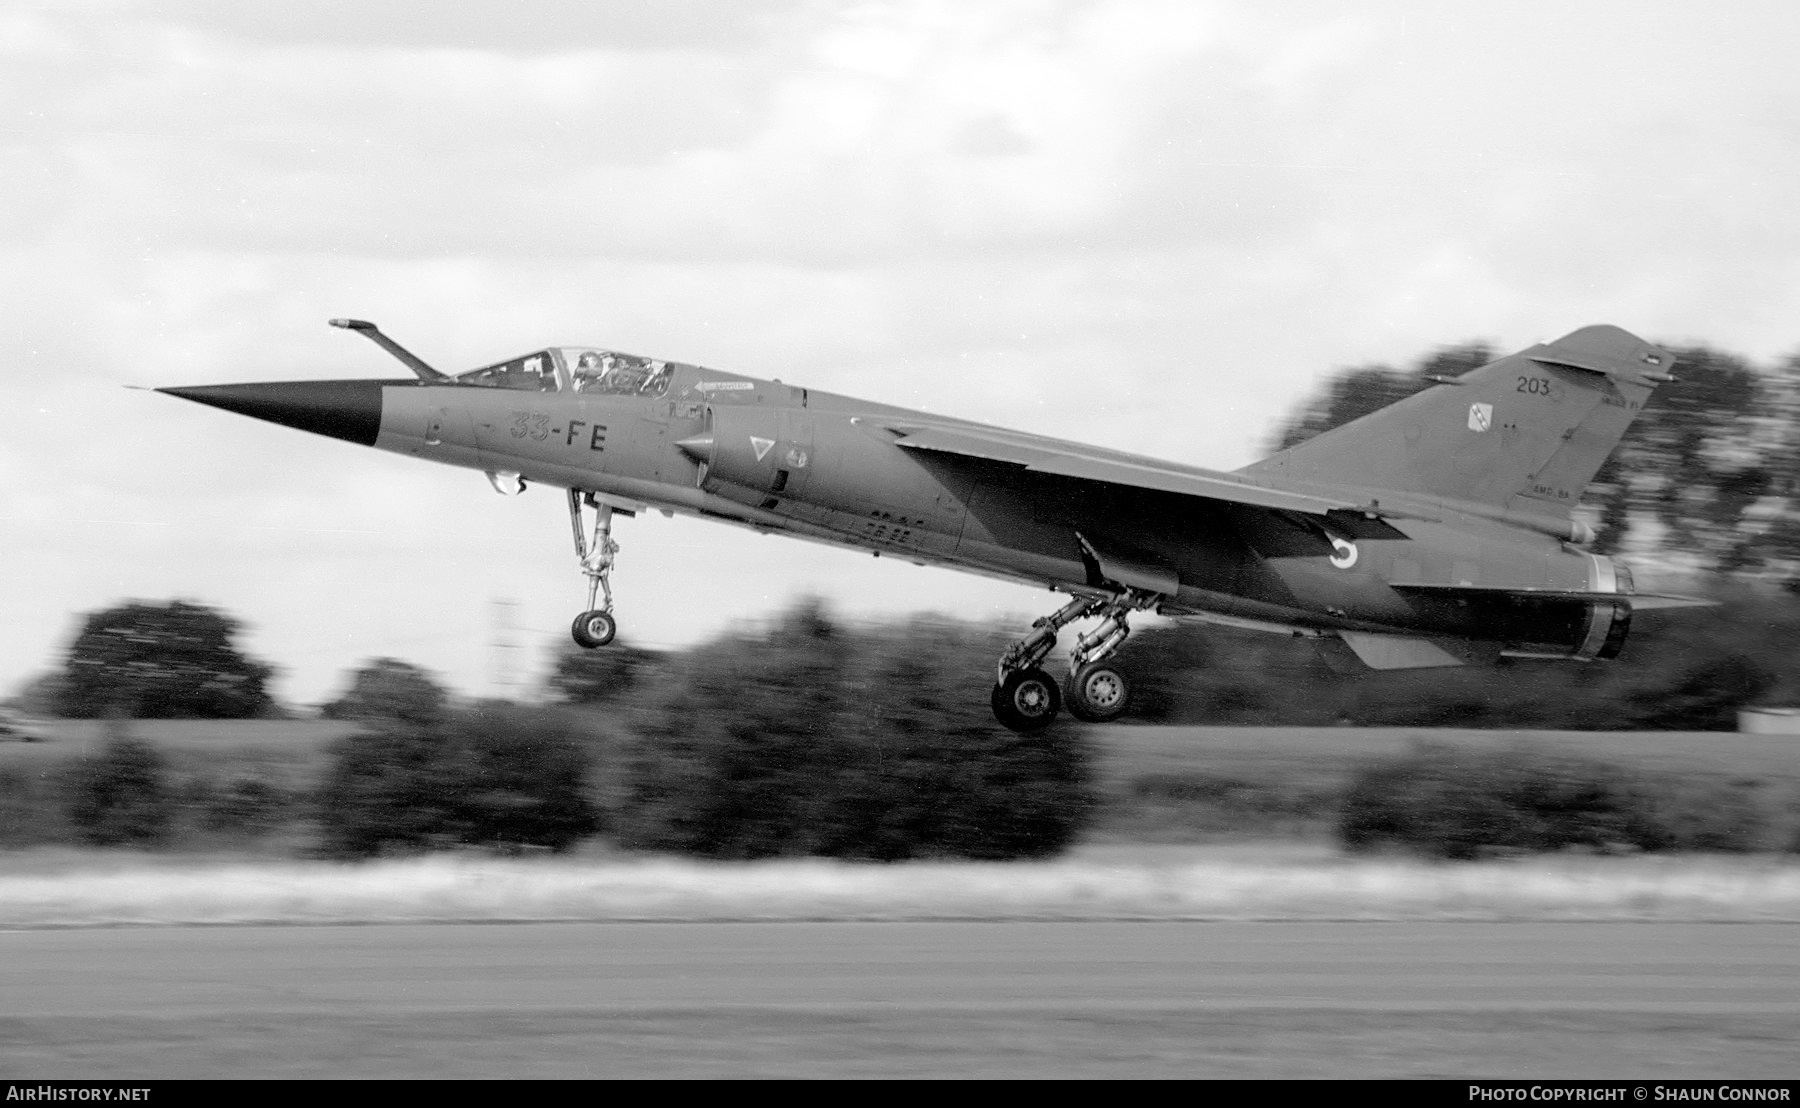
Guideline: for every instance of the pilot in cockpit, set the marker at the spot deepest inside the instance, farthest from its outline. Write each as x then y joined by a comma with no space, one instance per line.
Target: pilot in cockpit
628,373
591,370
656,380
602,371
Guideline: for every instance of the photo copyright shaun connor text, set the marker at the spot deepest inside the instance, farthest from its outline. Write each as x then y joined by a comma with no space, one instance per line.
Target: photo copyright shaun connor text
1773,1091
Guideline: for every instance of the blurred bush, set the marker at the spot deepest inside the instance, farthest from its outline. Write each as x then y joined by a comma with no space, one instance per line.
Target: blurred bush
41,697
1451,803
121,796
494,776
390,788
388,688
602,678
813,739
1698,814
1180,806
245,805
162,661
1702,695
524,772
32,807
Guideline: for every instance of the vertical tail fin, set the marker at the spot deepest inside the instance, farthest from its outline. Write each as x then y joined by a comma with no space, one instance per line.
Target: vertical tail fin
1524,433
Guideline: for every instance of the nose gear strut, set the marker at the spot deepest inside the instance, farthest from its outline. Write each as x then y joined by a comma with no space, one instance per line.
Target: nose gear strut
1026,699
596,626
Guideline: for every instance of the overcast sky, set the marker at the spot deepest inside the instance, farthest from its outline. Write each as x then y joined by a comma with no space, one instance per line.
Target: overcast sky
1148,225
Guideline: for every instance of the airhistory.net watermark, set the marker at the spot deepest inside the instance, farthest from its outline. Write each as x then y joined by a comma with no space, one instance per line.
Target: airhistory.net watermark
48,1093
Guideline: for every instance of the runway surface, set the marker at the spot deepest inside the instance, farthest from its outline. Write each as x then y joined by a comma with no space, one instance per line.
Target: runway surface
1039,999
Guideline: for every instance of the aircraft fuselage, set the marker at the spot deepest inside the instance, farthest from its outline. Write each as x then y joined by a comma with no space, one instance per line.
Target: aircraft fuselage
1437,531
831,472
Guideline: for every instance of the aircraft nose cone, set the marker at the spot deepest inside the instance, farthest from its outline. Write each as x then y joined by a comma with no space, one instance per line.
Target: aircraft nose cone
348,410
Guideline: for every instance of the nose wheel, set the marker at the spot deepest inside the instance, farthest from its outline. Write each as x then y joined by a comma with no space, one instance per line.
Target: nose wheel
596,626
593,629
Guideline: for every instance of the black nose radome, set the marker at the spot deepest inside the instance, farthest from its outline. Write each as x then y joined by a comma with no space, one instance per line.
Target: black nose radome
348,410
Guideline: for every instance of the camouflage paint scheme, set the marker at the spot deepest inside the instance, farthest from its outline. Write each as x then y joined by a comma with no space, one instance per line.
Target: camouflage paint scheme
1437,531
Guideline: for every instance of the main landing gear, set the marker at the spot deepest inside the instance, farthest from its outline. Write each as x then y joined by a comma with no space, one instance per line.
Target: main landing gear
1026,699
596,626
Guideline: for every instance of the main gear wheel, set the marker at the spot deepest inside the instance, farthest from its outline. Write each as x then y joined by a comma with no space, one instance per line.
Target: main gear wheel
1026,701
1096,693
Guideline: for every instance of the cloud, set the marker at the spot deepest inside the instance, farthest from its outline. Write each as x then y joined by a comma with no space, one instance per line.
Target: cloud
540,27
861,151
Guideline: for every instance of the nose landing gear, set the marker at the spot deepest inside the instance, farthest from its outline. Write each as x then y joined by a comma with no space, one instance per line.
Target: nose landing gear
596,626
1026,699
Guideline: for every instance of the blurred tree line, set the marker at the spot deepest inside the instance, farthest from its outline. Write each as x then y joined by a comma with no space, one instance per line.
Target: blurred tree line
805,737
140,660
1462,804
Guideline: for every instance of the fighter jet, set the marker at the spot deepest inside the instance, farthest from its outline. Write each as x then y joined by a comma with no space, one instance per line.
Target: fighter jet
1438,531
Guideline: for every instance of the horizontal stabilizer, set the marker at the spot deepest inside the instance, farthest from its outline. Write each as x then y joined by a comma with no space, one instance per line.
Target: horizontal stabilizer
1640,601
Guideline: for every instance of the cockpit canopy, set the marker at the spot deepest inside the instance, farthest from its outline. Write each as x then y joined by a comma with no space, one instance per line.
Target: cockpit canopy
531,373
608,371
583,369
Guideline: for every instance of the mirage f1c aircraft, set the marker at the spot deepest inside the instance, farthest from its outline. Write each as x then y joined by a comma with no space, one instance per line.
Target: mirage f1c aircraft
1435,532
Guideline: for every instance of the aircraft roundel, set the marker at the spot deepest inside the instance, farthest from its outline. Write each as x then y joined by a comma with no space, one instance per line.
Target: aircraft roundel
1346,553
